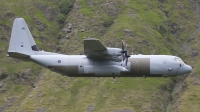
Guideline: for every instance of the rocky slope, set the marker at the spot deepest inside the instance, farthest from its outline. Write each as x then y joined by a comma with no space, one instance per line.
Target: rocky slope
147,27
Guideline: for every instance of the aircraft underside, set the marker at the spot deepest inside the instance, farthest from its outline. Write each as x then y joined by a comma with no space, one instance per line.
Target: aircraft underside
136,67
97,61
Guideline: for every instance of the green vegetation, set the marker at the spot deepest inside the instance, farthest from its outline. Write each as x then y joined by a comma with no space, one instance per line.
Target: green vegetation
147,27
85,9
64,6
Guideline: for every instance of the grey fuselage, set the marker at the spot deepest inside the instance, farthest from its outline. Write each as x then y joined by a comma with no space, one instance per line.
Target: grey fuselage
98,61
138,65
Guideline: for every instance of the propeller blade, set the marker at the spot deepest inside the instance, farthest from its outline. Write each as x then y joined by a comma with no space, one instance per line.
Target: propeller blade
124,54
123,51
123,57
122,45
126,60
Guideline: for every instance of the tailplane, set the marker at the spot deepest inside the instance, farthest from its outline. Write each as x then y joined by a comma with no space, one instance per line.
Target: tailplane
21,42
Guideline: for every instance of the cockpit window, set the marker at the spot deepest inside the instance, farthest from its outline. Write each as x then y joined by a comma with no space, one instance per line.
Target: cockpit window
178,59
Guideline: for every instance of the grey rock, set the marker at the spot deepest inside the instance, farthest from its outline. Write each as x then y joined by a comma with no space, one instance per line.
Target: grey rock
9,14
2,50
195,83
40,26
91,108
3,90
190,39
194,52
144,42
8,104
58,49
67,36
41,109
82,30
49,12
68,28
111,8
24,77
107,23
3,75
3,87
39,94
4,39
69,25
65,30
124,110
1,84
127,30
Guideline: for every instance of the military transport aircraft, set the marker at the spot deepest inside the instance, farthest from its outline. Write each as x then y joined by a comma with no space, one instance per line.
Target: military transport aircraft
97,61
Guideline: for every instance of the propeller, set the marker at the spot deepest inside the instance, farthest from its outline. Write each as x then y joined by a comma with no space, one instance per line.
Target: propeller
123,51
125,56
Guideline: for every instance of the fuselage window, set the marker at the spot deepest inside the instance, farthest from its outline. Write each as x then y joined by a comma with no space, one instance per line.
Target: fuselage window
177,59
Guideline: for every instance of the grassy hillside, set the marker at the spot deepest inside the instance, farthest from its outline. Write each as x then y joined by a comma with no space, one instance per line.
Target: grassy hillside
147,27
17,78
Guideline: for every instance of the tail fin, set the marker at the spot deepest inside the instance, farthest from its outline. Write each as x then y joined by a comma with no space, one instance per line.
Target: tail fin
21,41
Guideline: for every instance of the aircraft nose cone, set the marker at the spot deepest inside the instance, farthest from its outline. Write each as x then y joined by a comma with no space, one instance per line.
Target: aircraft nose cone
188,69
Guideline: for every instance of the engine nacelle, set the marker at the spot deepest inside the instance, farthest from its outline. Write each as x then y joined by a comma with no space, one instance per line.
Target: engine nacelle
114,58
112,52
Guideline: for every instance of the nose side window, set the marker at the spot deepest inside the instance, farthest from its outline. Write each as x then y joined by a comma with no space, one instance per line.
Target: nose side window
177,59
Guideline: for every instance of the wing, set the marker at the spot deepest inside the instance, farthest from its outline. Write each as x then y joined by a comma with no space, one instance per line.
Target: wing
93,47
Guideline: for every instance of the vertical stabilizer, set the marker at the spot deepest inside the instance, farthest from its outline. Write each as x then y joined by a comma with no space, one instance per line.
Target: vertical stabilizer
21,41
